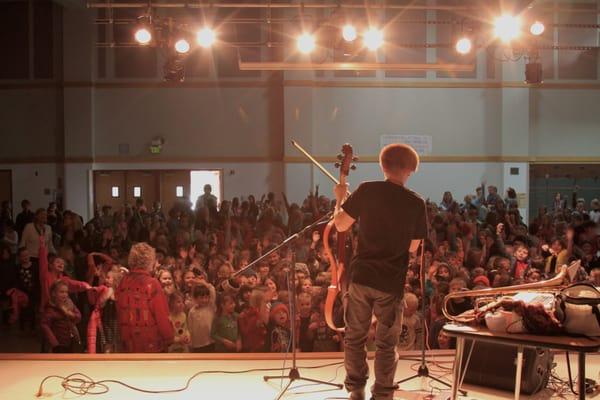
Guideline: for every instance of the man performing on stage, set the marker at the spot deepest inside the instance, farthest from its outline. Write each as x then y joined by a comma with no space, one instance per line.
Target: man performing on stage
392,222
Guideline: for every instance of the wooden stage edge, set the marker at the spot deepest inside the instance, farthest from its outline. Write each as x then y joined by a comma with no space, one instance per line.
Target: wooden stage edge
199,356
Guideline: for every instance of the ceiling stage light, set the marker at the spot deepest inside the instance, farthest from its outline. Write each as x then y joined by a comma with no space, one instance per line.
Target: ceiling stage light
306,43
349,33
464,45
507,27
182,46
537,28
373,38
143,36
206,37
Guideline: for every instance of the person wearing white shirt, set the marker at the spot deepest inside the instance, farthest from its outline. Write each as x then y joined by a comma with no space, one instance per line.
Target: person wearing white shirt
32,232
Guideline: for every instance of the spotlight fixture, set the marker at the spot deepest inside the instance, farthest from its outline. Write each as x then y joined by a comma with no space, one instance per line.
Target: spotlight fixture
507,27
182,46
306,43
349,33
464,45
537,28
143,36
206,37
373,38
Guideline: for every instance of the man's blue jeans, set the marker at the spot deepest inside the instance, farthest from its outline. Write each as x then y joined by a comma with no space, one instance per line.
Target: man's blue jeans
362,303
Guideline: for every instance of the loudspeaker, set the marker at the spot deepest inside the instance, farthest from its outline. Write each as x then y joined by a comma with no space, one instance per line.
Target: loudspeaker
495,365
533,73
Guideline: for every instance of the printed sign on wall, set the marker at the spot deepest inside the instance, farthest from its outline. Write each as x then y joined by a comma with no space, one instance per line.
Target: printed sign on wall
421,143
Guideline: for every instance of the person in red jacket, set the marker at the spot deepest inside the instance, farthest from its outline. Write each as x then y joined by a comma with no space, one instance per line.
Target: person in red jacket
253,322
142,307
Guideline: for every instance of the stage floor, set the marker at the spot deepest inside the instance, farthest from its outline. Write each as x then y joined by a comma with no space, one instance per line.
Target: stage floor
20,377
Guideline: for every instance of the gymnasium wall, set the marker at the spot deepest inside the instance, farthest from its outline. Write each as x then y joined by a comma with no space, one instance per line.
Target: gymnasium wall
91,115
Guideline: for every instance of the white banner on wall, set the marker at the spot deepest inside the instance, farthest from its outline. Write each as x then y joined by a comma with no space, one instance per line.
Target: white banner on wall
421,143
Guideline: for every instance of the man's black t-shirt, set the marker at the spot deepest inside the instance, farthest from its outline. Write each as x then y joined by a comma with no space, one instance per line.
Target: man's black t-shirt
390,216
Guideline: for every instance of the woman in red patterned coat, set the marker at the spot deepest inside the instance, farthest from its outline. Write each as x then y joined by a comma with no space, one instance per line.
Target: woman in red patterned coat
142,307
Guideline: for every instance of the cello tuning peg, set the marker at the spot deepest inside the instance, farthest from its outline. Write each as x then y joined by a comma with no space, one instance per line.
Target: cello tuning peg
354,158
339,156
337,164
353,167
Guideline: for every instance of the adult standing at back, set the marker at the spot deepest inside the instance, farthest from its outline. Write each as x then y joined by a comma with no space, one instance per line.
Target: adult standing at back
24,217
142,307
208,199
30,239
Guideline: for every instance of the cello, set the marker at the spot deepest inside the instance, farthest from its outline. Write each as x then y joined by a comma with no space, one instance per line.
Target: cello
338,284
337,266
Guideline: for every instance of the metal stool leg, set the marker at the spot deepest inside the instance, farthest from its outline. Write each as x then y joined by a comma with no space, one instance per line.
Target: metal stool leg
519,371
460,345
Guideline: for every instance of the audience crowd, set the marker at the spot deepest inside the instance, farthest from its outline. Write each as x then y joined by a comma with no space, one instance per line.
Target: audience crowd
139,279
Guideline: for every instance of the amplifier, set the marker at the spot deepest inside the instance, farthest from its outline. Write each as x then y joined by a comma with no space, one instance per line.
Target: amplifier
495,365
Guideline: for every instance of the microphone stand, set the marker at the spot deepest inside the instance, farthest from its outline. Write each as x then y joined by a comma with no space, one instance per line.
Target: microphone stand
423,371
294,374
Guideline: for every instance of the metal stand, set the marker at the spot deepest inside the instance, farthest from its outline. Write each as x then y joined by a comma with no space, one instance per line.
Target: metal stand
423,371
294,374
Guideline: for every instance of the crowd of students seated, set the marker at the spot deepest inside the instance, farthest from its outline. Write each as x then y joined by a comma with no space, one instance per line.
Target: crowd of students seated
139,279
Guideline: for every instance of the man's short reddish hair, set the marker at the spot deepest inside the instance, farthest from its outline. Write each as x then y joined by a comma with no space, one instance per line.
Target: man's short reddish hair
398,156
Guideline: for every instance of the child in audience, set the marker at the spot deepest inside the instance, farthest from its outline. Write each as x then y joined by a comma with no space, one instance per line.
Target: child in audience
223,273
411,335
201,318
165,278
458,305
59,320
189,281
103,320
303,320
521,262
242,298
26,274
272,293
225,330
263,271
253,321
182,339
280,339
326,339
252,278
306,286
444,342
